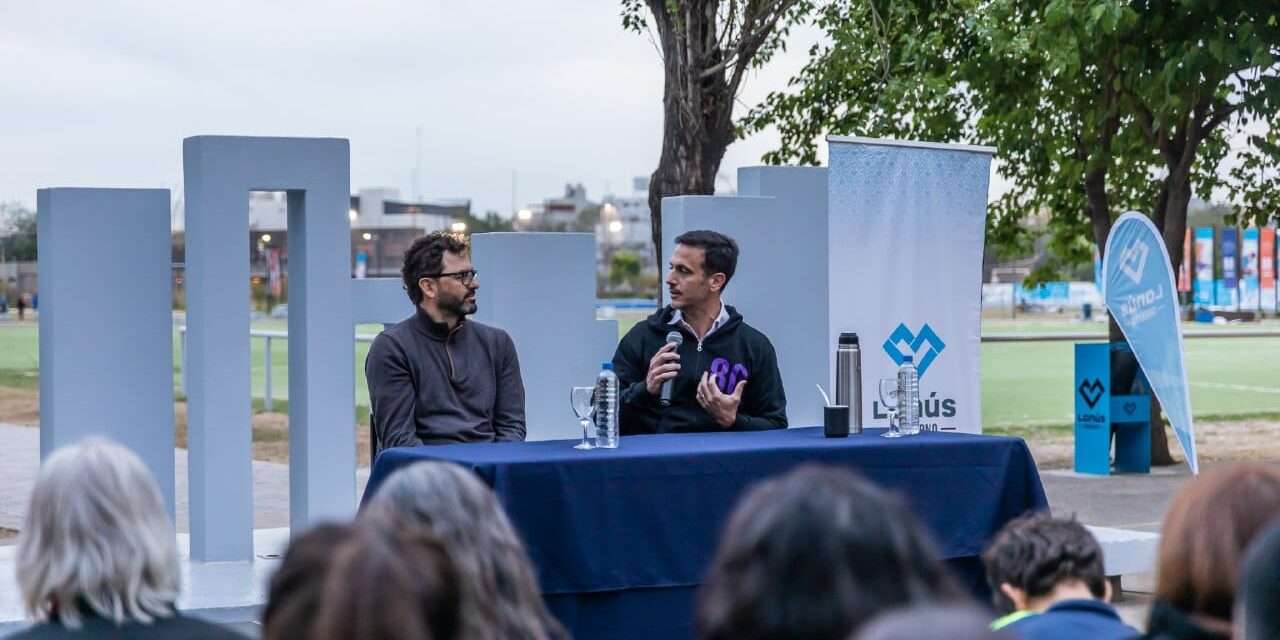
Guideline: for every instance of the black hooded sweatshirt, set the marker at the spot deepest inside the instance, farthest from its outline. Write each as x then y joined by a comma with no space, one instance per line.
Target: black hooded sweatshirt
733,352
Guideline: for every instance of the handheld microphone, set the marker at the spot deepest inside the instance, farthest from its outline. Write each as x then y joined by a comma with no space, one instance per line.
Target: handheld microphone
676,338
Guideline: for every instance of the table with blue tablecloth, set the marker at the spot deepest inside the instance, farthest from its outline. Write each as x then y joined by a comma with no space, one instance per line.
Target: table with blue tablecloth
622,537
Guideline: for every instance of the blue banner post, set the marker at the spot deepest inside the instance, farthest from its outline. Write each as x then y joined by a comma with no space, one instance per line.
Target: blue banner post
1139,289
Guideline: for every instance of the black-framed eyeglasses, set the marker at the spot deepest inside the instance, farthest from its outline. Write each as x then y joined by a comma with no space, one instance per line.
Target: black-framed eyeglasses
465,277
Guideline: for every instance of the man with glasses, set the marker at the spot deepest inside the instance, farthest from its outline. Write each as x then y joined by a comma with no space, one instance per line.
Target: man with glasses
724,375
436,377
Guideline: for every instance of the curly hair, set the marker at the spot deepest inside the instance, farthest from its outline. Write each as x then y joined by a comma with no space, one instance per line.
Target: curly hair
425,257
1037,552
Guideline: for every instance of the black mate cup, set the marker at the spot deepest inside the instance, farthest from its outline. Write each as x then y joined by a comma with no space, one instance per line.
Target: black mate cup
835,421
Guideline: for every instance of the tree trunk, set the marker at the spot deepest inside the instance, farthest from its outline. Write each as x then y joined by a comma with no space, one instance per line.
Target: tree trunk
697,107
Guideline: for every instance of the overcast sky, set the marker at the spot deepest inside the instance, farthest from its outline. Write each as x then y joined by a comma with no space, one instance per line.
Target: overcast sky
555,91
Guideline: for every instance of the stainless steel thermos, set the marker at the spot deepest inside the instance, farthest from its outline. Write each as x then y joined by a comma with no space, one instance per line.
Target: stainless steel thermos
849,378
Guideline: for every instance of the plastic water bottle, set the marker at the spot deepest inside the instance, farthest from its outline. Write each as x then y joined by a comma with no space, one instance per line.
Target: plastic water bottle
908,397
606,413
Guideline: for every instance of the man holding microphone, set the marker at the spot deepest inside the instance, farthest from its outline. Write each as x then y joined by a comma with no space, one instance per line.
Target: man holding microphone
694,365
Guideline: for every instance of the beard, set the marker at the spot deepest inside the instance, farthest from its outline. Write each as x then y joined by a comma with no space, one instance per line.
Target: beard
459,306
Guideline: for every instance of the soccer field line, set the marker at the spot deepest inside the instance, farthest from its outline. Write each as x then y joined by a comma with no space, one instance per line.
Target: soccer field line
1236,387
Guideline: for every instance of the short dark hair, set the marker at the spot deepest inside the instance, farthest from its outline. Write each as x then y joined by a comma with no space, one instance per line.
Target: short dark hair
815,554
425,257
1037,552
720,251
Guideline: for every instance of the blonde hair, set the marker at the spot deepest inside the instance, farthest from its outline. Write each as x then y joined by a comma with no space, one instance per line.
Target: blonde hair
97,536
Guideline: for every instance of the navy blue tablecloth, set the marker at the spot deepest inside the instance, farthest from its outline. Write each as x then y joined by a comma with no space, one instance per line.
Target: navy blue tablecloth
622,537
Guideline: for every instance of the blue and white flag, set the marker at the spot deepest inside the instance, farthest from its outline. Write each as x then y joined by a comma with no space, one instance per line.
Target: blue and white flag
1140,292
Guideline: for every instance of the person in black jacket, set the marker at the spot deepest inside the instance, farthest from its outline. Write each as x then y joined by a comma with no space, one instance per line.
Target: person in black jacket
725,373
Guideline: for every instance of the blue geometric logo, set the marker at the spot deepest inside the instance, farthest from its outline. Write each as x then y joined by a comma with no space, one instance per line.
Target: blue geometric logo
912,343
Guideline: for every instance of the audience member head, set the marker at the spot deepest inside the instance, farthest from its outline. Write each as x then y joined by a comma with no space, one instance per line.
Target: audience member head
500,595
1211,521
1038,560
931,623
297,588
815,553
1258,613
97,539
378,579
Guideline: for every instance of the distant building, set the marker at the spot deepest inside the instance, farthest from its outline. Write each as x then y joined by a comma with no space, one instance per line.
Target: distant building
557,213
382,227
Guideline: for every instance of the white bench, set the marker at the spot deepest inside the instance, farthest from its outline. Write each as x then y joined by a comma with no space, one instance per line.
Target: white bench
1125,551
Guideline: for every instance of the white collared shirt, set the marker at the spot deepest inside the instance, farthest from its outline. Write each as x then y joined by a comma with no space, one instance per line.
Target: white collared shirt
722,318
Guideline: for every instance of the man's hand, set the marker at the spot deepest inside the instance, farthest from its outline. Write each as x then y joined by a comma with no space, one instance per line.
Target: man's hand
664,366
722,407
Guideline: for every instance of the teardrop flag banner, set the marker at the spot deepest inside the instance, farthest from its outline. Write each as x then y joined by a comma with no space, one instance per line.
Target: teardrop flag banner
1140,292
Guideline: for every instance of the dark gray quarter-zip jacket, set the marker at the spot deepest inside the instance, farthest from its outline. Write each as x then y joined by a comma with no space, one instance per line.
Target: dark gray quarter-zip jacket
432,385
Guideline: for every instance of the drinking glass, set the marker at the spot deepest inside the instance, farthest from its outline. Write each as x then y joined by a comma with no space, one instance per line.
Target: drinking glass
889,400
583,407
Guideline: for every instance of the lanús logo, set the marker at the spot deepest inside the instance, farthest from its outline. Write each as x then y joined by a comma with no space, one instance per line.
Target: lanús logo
1133,260
903,336
1091,391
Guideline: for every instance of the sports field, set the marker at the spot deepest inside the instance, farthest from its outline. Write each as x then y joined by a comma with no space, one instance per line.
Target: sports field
1023,384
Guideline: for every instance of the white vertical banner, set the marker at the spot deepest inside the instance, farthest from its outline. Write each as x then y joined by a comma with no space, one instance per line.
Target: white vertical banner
907,222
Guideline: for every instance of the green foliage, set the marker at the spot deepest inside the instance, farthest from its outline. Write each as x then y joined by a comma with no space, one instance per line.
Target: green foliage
624,268
1095,106
17,232
490,222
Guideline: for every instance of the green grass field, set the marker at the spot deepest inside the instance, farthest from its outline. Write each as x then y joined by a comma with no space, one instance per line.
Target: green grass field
1024,385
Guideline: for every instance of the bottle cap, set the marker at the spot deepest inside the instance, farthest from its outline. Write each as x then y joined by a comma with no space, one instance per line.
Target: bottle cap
907,358
848,338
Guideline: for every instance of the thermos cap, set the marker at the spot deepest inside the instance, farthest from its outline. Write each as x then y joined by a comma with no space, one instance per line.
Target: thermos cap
848,338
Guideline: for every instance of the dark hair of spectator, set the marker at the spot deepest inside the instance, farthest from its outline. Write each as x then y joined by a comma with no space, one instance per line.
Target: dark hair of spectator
1210,523
931,623
390,581
720,252
814,554
377,579
293,597
1260,588
1037,552
425,257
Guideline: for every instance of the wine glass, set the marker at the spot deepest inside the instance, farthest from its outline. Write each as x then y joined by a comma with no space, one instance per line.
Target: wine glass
583,407
889,399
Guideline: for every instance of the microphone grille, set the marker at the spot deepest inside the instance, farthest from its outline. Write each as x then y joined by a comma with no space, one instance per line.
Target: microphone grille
676,337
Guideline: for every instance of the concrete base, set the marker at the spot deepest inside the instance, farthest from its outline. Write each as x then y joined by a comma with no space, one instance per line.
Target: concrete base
1125,551
224,592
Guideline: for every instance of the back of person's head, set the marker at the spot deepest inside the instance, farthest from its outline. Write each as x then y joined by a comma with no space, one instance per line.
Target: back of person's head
931,623
1035,554
720,252
297,587
1211,521
814,554
1258,613
500,595
97,537
377,579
